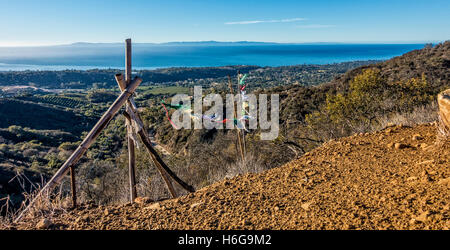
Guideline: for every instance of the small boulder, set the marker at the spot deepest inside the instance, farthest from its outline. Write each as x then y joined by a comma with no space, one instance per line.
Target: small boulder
154,206
417,137
412,178
400,145
390,124
44,224
423,216
196,204
142,200
306,205
445,181
85,218
246,222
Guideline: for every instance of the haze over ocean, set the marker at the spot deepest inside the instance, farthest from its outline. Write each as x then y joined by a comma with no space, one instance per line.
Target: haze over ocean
82,56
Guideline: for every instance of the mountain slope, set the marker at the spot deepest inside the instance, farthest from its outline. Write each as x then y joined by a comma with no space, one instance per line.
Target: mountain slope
359,182
434,62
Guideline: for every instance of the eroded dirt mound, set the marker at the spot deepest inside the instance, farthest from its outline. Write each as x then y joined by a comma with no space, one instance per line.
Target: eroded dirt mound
391,179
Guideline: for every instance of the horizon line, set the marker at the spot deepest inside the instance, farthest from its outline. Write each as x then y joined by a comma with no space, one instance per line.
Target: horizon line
216,41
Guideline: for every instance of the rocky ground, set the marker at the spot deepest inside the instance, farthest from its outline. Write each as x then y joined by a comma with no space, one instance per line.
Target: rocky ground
392,179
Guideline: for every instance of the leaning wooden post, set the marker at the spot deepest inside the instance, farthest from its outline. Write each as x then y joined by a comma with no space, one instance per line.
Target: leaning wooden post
131,151
85,144
157,164
73,186
161,165
240,101
235,117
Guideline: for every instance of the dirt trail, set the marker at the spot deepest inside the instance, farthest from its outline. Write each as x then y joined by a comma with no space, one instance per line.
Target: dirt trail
359,182
161,148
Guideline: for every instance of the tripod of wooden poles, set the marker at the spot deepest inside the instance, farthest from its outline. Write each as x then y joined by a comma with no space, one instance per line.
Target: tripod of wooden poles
134,126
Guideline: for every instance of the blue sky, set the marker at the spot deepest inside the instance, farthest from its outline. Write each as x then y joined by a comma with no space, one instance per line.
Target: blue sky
42,22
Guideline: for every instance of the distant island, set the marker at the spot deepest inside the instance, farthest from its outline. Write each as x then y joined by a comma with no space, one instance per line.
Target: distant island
212,42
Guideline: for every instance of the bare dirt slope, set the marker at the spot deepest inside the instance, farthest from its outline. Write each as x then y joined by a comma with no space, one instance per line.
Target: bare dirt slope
359,182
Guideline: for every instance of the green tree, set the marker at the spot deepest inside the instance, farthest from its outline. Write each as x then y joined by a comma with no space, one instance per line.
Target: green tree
344,112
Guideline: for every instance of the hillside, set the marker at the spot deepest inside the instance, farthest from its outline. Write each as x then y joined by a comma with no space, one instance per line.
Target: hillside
28,114
404,86
433,62
40,126
366,99
358,182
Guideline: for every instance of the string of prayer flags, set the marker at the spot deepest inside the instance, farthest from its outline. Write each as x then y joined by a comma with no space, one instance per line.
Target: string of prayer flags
168,117
174,106
241,82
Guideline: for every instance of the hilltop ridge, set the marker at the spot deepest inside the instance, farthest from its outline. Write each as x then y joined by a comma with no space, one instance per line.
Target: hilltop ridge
396,178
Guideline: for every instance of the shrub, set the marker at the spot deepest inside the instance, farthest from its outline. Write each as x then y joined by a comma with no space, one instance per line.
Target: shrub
368,97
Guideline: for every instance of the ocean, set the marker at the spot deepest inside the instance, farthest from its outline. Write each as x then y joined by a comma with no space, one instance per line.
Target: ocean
152,56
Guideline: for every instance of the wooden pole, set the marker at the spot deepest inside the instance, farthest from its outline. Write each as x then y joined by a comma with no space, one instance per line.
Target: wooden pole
73,186
131,150
160,163
128,61
85,144
243,131
155,161
163,169
131,168
235,117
